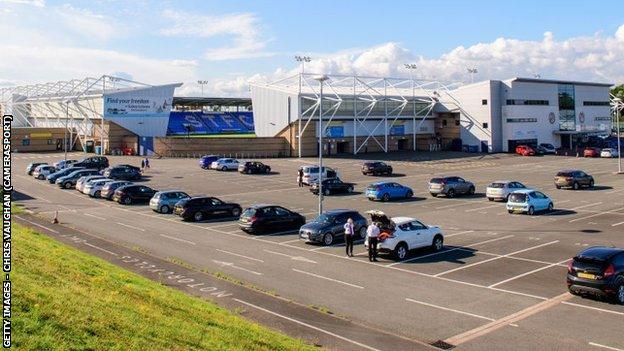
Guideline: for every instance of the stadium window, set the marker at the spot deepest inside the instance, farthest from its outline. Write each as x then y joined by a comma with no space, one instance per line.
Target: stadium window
485,125
596,103
443,123
457,122
527,102
49,141
484,102
521,120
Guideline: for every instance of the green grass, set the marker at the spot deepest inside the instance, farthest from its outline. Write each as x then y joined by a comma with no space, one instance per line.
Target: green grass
209,136
65,299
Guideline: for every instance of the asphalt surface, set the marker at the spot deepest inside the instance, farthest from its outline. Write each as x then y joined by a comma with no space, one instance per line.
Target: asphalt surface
499,284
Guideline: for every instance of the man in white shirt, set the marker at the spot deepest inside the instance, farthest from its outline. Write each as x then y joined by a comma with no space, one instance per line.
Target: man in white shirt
372,232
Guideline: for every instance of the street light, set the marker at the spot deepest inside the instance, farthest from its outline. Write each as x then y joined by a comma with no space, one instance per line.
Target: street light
410,67
303,60
321,79
472,71
617,102
202,83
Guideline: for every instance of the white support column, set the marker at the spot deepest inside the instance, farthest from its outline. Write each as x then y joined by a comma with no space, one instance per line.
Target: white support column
385,116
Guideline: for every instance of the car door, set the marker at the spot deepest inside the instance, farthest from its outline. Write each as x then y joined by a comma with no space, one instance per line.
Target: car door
462,185
338,226
283,217
584,178
422,234
539,201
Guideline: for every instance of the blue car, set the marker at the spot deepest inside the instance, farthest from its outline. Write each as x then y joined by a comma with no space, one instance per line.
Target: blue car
529,201
61,173
385,191
205,161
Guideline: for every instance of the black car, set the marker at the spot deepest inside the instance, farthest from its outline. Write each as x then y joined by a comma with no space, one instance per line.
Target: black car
200,208
269,219
332,186
94,162
69,181
130,194
376,168
598,271
63,172
31,167
329,226
250,167
123,173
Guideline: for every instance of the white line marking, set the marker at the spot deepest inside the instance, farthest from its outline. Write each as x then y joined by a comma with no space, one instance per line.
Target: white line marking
326,278
605,346
454,205
223,225
239,255
178,239
528,273
460,233
595,215
588,205
130,226
483,208
450,309
38,225
592,308
99,248
232,265
296,258
307,325
94,216
616,224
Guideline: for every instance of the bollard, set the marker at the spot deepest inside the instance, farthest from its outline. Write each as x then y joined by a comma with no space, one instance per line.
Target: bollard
55,219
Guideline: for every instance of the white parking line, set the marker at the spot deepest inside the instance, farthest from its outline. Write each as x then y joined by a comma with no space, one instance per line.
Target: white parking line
588,205
528,273
178,239
450,309
454,205
605,346
94,216
239,255
616,224
130,226
326,278
460,233
592,308
483,208
595,215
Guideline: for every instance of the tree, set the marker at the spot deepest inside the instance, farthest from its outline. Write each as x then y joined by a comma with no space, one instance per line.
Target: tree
618,91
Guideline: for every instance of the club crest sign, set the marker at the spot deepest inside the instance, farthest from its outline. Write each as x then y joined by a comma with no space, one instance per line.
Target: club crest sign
551,118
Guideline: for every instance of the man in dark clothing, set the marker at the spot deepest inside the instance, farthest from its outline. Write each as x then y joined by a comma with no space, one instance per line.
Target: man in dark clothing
300,178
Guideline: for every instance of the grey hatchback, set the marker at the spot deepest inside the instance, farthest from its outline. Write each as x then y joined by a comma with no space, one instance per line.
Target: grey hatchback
450,186
165,201
329,226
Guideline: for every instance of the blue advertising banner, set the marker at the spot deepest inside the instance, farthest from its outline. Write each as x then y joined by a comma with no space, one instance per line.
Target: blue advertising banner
335,131
398,129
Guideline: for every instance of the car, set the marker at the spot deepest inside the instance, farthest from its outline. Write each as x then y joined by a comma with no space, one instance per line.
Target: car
329,226
525,150
609,153
125,165
250,167
82,181
591,152
94,188
123,173
386,191
42,171
332,186
402,234
129,194
574,179
598,270
268,219
529,201
200,208
540,150
165,201
61,173
225,164
69,181
500,189
311,174
206,160
62,164
548,148
450,186
31,167
93,162
376,168
108,190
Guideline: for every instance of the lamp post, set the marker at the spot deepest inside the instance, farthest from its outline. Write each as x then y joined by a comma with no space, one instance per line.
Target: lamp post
321,79
617,102
472,71
303,60
202,83
410,67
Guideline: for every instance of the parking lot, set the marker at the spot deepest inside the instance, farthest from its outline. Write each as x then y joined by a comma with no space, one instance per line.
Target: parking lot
500,278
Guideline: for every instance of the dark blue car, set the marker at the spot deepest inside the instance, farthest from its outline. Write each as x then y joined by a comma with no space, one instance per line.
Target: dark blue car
205,161
61,173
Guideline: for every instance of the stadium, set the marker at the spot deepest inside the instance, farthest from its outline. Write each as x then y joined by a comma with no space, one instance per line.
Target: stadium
284,118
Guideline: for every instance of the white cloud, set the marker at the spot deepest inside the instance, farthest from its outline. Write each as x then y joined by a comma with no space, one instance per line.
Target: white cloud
85,22
36,3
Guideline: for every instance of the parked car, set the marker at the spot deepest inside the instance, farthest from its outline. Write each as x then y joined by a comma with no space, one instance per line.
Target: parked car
591,152
200,208
311,174
376,168
31,167
386,191
598,271
84,180
574,179
450,186
402,234
225,164
529,201
206,160
332,186
609,153
123,173
94,189
250,167
266,219
129,194
61,173
165,201
525,150
42,171
125,165
500,189
93,162
329,226
108,190
69,181
548,148
62,164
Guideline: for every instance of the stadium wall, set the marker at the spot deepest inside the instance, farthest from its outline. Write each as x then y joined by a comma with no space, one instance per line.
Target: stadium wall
29,139
243,147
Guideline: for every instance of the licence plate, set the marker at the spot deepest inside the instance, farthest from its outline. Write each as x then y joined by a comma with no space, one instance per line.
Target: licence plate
586,276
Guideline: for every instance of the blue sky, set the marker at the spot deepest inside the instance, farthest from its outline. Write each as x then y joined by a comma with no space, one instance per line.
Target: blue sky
232,42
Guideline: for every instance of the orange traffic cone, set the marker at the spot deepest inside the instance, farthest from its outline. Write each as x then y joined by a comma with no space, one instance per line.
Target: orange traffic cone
55,220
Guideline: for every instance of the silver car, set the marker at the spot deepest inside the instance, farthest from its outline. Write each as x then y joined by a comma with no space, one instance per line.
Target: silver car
41,172
164,201
93,188
82,181
500,189
225,164
450,186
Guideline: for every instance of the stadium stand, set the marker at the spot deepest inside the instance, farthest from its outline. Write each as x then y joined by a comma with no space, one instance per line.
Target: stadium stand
185,122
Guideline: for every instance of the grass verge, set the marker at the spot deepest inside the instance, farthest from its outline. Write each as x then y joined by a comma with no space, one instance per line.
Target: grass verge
70,300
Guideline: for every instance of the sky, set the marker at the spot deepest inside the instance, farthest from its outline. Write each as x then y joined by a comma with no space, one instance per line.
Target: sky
230,43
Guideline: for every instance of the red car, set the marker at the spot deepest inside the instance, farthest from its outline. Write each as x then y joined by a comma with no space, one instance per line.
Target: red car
591,152
525,150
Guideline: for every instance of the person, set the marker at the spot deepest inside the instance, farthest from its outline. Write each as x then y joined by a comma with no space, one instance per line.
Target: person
349,231
142,165
300,178
147,163
372,232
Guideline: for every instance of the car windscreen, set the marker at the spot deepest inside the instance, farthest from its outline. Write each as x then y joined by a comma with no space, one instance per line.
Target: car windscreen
497,185
564,174
518,197
324,219
437,180
248,213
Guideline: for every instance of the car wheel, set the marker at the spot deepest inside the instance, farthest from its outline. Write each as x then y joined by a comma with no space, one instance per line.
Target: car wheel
326,192
400,252
620,291
328,239
350,189
550,207
471,190
268,170
164,209
591,183
198,216
450,193
97,194
224,168
434,195
409,194
575,186
248,171
531,210
438,243
510,211
363,232
236,212
67,185
40,177
385,198
127,200
558,186
490,199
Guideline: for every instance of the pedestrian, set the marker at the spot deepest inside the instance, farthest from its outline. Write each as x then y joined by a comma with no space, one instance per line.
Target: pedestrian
300,177
372,232
349,231
147,163
142,165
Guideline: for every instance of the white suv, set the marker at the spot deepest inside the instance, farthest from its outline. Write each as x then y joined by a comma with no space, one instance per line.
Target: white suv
402,234
500,189
311,174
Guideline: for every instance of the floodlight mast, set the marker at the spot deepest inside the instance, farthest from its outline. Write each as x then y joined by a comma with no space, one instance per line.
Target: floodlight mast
472,71
320,79
303,60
